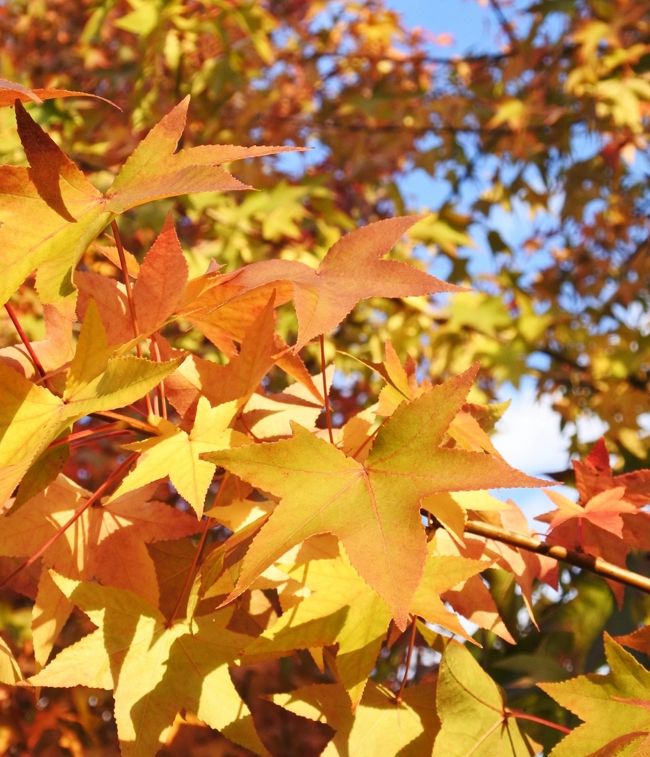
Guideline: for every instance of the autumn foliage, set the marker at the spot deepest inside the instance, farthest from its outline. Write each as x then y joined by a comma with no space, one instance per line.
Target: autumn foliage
228,527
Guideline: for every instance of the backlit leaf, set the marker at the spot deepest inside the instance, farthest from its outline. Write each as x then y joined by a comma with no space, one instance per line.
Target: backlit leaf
351,271
615,707
472,711
154,669
373,507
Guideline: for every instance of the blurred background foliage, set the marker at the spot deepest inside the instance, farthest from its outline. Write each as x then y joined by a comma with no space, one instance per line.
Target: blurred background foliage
550,130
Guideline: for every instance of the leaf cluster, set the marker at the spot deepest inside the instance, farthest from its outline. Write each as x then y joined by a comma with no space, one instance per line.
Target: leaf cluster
228,529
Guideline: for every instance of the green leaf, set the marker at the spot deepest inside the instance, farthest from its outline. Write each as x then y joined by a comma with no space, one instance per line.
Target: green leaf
472,710
615,707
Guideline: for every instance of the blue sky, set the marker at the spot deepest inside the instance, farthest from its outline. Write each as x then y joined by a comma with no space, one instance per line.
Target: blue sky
529,435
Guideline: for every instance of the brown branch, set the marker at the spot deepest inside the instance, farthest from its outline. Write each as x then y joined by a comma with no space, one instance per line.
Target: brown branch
506,26
338,125
579,559
417,58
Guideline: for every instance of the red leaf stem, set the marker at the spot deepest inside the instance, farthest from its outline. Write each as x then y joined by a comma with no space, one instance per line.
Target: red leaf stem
95,497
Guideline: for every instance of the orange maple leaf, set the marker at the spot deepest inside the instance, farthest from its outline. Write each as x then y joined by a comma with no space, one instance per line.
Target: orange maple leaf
374,507
351,271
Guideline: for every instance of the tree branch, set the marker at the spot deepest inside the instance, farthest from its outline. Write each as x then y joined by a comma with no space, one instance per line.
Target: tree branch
579,559
506,26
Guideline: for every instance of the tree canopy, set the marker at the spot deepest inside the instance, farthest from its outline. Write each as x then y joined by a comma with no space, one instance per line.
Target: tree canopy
184,472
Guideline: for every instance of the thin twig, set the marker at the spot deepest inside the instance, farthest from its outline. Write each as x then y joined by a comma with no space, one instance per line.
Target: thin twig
328,409
129,297
197,555
155,352
25,340
134,423
368,439
407,660
429,128
519,715
247,428
417,58
192,571
507,27
95,497
91,434
579,559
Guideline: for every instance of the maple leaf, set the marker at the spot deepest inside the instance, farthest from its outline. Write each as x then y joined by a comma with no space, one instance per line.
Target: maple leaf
472,711
373,508
594,475
72,212
401,380
342,609
603,511
10,91
105,542
270,416
351,271
176,454
161,280
615,707
31,416
402,385
379,725
639,639
162,292
226,313
154,171
606,526
223,310
154,669
239,379
9,670
525,568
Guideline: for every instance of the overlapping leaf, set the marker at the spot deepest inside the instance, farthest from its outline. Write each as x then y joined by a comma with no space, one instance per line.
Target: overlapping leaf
161,281
373,507
342,609
379,725
31,416
105,542
72,212
351,271
594,475
176,454
615,708
154,669
10,91
472,711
